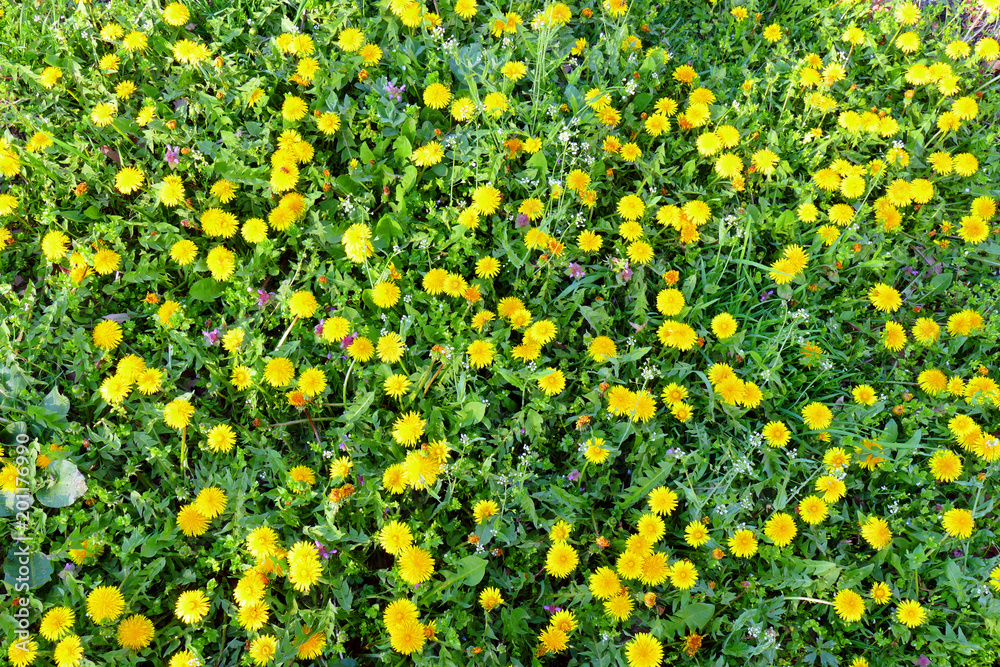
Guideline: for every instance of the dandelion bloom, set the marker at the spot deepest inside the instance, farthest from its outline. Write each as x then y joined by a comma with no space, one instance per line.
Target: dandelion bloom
481,353
926,331
973,229
262,542
486,199
279,372
601,349
958,523
129,180
415,565
107,334
644,650
56,622
595,453
885,298
176,14
910,613
192,606
619,607
437,96
817,416
221,262
304,566
880,593
773,33
894,336
385,294
875,532
662,501
813,510
864,395
408,429
105,603
561,560
743,544
776,434
781,529
945,465
696,534
631,207
211,501
191,522
490,598
604,583
135,632
484,509
67,653
553,382
407,638
396,385
850,606
724,325
428,155
683,575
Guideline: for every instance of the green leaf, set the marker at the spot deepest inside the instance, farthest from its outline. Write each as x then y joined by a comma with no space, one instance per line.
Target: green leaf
472,413
515,621
890,433
646,486
387,226
410,174
402,148
69,485
940,283
696,615
359,408
8,500
539,162
56,403
472,569
22,567
206,289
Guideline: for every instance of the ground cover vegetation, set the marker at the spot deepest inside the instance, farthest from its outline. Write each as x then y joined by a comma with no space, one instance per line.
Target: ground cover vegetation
587,333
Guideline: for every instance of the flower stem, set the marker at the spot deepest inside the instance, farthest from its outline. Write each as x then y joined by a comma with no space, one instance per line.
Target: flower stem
285,335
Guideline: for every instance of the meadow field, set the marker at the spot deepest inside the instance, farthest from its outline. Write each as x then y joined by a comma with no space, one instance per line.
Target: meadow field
606,332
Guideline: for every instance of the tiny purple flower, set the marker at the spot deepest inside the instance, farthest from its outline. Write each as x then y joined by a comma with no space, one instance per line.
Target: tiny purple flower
922,661
318,329
520,221
322,550
575,270
348,340
263,296
212,337
766,295
173,156
573,475
626,273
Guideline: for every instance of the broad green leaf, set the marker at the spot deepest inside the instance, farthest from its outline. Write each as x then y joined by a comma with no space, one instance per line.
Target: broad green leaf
69,485
56,403
206,289
24,567
473,569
